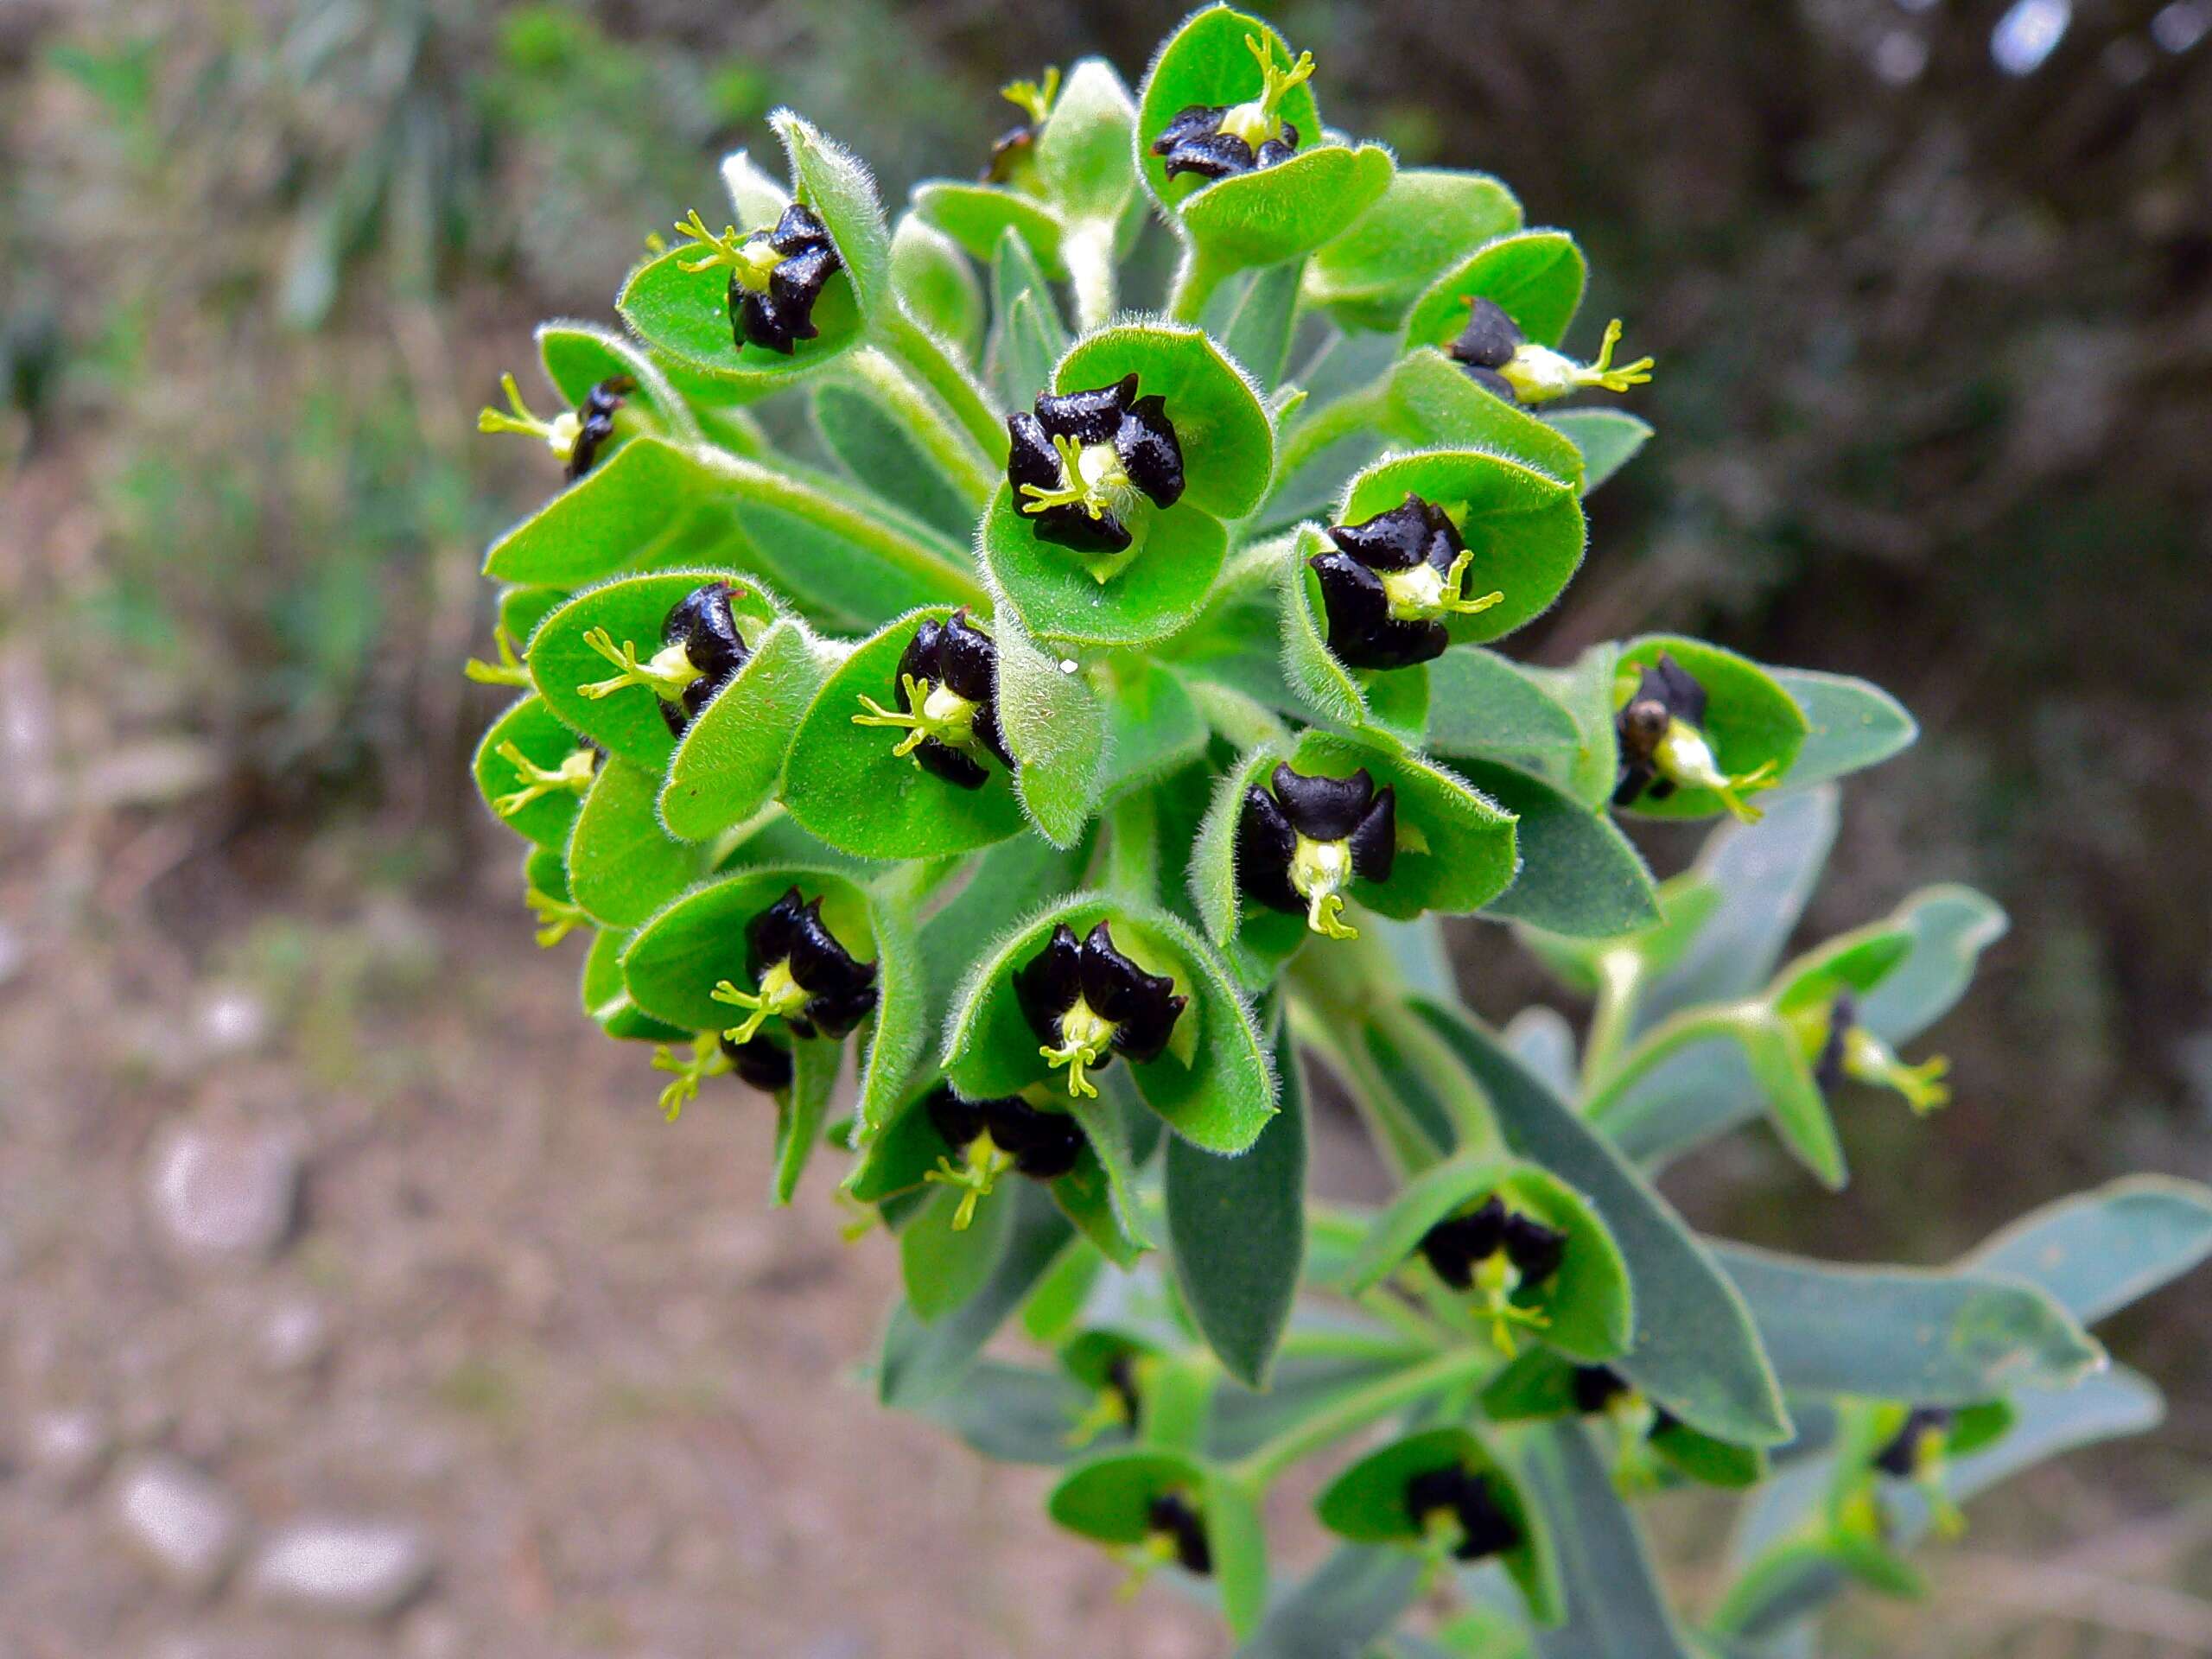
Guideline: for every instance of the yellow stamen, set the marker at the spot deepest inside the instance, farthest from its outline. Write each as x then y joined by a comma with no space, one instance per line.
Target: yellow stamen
1684,756
978,1172
1320,870
1538,374
749,257
559,433
1421,593
779,997
1258,121
560,918
1868,1059
1033,98
666,675
574,774
707,1060
1083,1037
935,711
508,671
1495,1280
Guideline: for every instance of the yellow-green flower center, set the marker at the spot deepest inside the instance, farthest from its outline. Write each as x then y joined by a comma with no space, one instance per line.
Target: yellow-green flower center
1084,1036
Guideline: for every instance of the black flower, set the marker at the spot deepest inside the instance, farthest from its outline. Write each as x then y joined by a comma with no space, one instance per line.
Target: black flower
1663,745
1195,142
1013,151
1083,461
1042,1145
1389,582
1177,1525
1088,1002
701,652
1216,140
1298,849
1486,1529
806,977
1500,358
1919,1443
1847,1049
948,702
776,275
595,421
1498,1253
575,438
763,1063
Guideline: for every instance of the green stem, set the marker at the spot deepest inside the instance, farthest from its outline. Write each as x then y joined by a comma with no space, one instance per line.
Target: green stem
1355,1411
1404,1147
1196,278
1458,1095
1663,1041
1404,1341
1620,975
924,417
925,357
1178,1402
1087,249
894,544
1133,847
1331,423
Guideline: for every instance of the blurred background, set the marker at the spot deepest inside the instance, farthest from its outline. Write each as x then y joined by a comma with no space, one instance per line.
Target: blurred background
330,1233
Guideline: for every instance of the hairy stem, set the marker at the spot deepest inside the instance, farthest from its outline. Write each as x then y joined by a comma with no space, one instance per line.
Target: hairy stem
1088,251
1355,1410
924,356
924,417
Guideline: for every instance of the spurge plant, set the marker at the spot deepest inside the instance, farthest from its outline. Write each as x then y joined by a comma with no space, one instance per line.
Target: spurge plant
1084,716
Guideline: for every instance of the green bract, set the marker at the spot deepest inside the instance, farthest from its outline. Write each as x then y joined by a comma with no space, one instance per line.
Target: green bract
1100,783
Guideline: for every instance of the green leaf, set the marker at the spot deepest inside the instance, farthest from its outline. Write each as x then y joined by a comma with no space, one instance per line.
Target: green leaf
1391,704
1431,402
1238,1227
1367,1504
541,739
1697,1352
1578,875
755,197
1013,1413
934,281
1153,725
1950,926
1765,873
1481,703
1535,277
2098,1251
606,998
630,503
1109,1497
1055,727
1086,151
901,1028
1206,61
1615,1608
923,1363
943,1268
1851,725
674,962
578,356
1523,526
1456,848
1608,438
830,179
623,865
1220,422
1027,337
1236,1535
1428,219
684,315
1158,593
731,757
1750,720
1249,933
521,609
1794,1104
1219,1098
800,1110
1354,1596
1586,1304
881,454
1099,1194
977,217
1894,1334
844,783
1006,883
626,723
1281,212
1585,689
1254,318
